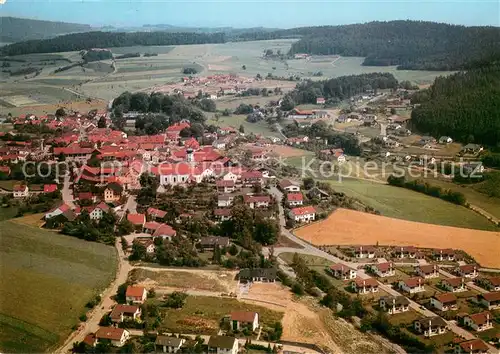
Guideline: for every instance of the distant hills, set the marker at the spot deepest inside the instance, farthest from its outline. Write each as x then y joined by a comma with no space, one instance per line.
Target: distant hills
13,29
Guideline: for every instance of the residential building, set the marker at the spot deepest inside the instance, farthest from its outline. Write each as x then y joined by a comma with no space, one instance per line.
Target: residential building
394,304
49,188
135,294
20,191
364,252
412,285
444,302
405,252
147,242
59,210
222,345
454,285
294,199
303,214
364,286
257,201
151,226
165,344
289,186
96,212
473,346
155,214
430,326
318,193
343,272
224,200
479,321
444,254
138,220
490,300
209,242
445,140
225,186
165,231
492,283
467,270
117,336
113,192
222,214
427,271
252,178
121,313
244,319
257,275
383,270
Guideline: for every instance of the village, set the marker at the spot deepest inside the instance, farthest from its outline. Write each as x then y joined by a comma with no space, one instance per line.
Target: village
220,199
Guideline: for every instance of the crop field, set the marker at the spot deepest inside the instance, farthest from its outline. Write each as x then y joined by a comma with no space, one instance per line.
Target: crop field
348,227
132,74
46,281
202,314
405,204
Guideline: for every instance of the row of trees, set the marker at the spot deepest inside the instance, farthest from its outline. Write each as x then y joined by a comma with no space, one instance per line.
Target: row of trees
464,106
81,41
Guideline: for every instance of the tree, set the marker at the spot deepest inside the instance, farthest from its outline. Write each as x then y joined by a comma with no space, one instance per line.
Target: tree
138,252
244,67
120,293
308,183
60,112
242,129
287,103
102,122
176,300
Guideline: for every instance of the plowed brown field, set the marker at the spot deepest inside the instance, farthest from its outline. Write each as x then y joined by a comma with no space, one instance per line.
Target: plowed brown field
348,227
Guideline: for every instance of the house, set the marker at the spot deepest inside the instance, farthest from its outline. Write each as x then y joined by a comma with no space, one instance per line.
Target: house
209,242
289,186
303,214
257,201
341,271
165,344
445,140
222,214
138,220
405,252
219,144
165,232
151,226
467,270
364,286
20,191
135,294
59,210
412,285
87,196
224,200
490,300
97,212
492,284
394,304
225,186
155,214
320,100
430,326
383,270
242,319
117,336
427,271
364,252
49,188
473,346
444,254
121,313
472,149
479,321
113,192
294,199
267,275
222,345
444,302
147,242
454,285
251,178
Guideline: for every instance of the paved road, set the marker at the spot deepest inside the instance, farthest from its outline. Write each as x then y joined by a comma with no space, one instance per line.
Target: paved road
130,205
67,192
93,318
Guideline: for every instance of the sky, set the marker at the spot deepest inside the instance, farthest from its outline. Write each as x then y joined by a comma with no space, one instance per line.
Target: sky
244,13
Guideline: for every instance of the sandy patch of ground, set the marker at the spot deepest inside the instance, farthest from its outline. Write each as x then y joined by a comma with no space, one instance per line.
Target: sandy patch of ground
186,279
348,227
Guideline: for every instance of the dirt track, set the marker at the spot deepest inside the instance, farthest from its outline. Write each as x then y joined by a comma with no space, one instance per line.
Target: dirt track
348,227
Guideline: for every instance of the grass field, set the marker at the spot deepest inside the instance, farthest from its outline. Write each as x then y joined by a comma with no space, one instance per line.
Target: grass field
46,281
259,128
349,227
202,314
409,205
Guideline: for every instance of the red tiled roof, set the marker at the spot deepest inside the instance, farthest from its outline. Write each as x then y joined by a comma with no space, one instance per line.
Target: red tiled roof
110,333
365,282
177,127
136,219
294,197
446,298
49,188
428,268
19,188
481,317
224,183
256,198
474,345
85,195
89,339
340,267
164,230
303,210
251,174
119,309
134,291
222,212
468,268
383,267
151,225
156,212
491,296
495,281
243,316
413,282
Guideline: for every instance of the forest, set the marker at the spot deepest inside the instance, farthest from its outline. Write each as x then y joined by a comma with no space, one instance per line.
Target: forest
338,89
411,45
464,106
88,40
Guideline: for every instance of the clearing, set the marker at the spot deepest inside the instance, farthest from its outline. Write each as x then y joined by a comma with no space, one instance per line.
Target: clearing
406,204
185,279
50,275
348,227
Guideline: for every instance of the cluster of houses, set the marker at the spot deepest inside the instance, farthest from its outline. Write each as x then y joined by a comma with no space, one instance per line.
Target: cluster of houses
294,200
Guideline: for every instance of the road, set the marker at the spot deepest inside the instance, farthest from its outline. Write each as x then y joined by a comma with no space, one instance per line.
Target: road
130,205
67,193
94,316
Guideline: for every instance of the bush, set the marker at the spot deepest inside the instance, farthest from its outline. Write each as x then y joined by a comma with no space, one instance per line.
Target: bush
83,318
176,300
298,288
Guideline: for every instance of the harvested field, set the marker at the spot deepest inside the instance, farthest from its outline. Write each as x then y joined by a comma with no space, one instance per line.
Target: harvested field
348,227
81,106
288,151
186,279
